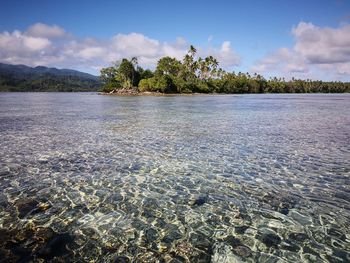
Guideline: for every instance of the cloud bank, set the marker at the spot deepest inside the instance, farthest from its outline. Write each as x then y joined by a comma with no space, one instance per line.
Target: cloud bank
316,51
51,45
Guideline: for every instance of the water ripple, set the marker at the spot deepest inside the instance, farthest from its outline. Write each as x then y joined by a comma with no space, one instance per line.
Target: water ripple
256,178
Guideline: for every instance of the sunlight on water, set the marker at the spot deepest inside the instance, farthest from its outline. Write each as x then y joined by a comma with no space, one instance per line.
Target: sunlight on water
255,178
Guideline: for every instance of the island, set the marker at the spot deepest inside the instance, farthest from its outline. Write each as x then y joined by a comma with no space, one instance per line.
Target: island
194,74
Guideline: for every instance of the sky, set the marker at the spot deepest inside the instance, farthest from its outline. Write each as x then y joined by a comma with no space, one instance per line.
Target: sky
283,38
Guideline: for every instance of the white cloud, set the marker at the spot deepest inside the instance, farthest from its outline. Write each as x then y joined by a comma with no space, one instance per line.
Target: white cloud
318,52
36,43
91,52
135,44
19,48
46,31
322,45
226,56
17,41
174,51
51,45
283,60
343,69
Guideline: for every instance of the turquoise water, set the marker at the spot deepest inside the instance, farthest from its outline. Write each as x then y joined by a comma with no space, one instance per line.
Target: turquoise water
252,178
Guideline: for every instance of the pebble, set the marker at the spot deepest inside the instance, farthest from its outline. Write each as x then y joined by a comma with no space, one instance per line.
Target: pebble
241,229
121,259
271,240
298,236
243,251
25,206
56,246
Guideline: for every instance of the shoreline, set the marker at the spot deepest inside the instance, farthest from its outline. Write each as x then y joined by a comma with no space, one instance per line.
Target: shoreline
160,94
125,92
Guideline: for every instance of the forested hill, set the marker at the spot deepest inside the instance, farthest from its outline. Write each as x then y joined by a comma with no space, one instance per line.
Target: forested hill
24,78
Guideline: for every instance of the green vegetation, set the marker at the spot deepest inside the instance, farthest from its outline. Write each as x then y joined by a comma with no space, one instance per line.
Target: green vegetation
203,75
23,78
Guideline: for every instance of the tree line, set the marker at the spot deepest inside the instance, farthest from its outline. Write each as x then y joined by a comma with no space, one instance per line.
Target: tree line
48,82
203,75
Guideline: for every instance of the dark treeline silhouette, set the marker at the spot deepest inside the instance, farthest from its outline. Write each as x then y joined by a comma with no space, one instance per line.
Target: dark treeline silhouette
203,75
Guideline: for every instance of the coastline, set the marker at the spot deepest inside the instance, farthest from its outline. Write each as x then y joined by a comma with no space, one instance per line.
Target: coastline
160,94
128,92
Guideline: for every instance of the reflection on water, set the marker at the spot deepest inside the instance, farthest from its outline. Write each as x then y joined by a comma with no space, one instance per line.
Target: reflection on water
85,177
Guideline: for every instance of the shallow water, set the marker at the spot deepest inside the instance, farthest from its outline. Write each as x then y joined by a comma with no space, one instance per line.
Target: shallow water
255,178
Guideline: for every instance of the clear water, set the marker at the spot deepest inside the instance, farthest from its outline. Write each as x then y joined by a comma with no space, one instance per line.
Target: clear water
255,178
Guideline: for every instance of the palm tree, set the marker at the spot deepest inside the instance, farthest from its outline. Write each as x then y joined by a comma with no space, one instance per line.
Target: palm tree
134,62
200,67
214,65
188,60
192,51
191,66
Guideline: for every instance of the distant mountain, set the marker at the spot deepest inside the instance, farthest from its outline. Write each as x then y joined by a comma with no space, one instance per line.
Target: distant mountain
24,78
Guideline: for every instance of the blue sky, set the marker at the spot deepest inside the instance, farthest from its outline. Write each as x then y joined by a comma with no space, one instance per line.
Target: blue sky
270,37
